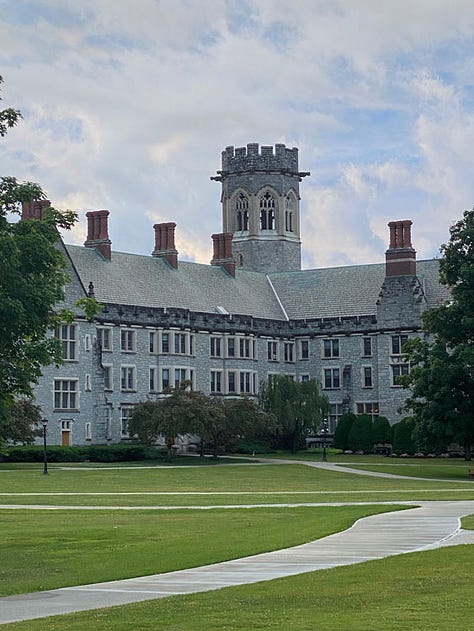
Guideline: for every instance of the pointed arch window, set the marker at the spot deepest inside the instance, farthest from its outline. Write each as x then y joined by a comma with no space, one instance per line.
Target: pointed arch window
267,211
290,208
241,208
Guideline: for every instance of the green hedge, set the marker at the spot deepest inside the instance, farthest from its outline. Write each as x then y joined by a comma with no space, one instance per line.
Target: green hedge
92,453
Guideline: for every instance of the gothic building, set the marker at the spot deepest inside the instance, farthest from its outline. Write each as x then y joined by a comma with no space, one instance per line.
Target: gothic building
227,326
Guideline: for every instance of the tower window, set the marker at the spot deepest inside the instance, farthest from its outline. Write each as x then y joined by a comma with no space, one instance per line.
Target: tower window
267,212
290,207
242,212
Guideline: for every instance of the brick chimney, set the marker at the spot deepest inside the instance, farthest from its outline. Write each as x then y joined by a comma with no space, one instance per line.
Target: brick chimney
400,258
164,243
223,252
34,209
98,232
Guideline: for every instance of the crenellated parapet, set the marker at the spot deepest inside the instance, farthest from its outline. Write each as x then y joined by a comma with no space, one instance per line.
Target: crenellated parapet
252,158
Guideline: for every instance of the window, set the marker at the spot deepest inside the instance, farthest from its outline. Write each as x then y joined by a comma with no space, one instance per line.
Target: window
267,211
127,341
66,333
332,378
367,377
230,347
179,376
216,381
215,346
165,378
231,384
304,349
245,382
87,342
104,338
165,342
125,416
335,413
289,351
108,423
272,351
397,343
65,394
87,383
88,431
399,370
153,379
153,345
127,378
305,378
372,409
244,344
191,344
367,347
330,348
108,377
290,207
180,343
242,212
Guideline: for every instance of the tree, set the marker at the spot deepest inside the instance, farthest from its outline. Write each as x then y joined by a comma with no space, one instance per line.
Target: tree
23,423
341,433
441,378
360,435
8,117
32,280
247,421
381,430
297,406
402,436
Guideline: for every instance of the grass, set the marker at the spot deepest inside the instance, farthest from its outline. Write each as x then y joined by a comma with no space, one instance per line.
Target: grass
428,590
44,550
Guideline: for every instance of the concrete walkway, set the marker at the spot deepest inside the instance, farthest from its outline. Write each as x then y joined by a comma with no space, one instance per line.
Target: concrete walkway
430,525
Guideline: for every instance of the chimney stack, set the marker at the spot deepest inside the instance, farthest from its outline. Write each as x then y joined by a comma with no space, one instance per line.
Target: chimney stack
164,243
400,258
34,209
223,252
98,232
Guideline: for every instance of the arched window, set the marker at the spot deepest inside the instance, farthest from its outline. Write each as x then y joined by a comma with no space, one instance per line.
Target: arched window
290,208
241,208
240,260
267,211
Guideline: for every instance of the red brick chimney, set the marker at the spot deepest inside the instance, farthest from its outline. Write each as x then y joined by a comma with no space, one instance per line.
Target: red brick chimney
400,258
164,243
98,232
34,209
223,252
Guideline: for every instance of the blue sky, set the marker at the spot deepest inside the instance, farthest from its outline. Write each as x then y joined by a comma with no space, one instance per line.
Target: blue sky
127,106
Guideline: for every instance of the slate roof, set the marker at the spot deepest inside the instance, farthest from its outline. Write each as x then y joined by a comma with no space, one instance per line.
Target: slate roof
148,281
345,291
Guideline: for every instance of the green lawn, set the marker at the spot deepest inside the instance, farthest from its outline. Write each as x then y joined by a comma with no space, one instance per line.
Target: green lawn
421,591
44,549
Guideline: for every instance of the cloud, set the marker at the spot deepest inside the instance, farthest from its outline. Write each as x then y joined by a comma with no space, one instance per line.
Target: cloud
127,106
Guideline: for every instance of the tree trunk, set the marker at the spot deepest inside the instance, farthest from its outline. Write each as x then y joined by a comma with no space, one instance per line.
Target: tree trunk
467,451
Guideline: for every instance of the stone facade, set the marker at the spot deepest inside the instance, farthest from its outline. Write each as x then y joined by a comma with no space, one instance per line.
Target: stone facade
228,326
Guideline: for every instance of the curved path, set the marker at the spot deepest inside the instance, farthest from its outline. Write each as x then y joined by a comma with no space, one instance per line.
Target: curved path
429,525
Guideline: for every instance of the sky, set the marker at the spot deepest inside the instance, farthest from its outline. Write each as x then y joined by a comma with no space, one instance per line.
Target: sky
127,105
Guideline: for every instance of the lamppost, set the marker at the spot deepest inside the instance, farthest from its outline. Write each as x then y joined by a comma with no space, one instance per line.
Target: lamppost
324,431
45,455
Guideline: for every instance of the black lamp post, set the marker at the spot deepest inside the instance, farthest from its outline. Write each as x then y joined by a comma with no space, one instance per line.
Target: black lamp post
45,455
324,431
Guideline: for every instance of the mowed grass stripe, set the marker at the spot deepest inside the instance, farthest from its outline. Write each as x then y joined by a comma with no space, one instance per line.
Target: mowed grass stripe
43,551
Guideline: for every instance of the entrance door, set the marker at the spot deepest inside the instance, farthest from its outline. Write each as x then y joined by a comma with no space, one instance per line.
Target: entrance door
65,438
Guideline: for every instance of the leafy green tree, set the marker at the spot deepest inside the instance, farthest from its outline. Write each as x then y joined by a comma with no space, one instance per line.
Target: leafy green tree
32,280
341,433
22,424
360,435
9,117
402,436
297,406
441,378
381,430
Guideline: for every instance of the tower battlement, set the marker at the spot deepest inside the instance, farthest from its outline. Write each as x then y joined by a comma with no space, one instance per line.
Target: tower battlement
264,158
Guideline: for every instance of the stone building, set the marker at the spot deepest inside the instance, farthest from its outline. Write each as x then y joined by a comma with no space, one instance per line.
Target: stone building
227,326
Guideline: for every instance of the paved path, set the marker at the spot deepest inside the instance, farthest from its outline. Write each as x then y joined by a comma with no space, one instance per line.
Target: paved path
430,525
